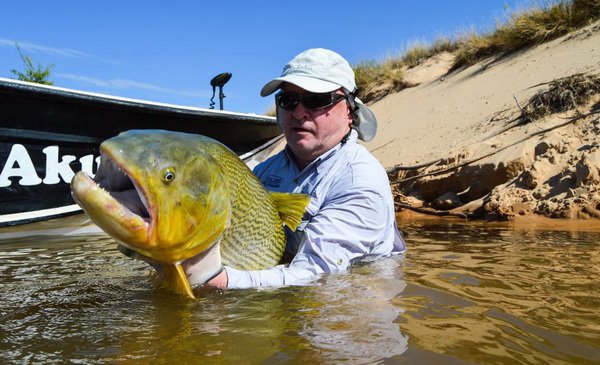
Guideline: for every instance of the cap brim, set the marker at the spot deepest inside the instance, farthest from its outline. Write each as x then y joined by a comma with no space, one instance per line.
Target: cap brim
307,83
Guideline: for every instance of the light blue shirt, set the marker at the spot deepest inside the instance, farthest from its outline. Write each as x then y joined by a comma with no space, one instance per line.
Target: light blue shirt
350,216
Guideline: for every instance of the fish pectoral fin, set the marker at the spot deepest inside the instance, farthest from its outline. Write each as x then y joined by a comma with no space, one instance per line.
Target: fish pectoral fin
175,279
291,207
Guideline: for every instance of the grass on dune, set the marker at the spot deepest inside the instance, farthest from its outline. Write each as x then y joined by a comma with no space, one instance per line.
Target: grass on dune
377,79
535,25
531,27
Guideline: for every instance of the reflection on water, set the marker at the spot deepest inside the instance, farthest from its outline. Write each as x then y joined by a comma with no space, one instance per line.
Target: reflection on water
500,295
465,293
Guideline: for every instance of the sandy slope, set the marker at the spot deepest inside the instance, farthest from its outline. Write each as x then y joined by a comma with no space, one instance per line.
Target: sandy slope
473,112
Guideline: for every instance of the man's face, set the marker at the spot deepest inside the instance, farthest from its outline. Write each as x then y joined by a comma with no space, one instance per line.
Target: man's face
312,132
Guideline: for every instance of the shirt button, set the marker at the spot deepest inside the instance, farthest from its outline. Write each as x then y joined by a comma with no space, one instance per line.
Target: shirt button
340,262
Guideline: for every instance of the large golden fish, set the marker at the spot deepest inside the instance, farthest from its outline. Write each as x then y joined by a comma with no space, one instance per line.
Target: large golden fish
171,196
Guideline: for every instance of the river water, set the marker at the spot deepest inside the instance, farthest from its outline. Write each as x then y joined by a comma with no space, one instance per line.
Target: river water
465,293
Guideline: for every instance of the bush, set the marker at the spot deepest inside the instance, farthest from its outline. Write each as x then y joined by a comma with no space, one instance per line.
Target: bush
39,74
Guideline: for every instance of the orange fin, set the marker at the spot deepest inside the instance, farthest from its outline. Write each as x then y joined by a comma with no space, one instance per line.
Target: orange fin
175,279
291,207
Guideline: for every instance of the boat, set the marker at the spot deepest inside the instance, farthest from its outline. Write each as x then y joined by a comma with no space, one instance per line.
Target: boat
49,133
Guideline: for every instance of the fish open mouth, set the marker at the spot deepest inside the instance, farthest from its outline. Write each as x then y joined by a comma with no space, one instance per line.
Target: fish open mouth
115,202
111,178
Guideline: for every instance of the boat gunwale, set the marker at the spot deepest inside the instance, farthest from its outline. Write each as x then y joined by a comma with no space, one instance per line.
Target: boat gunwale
84,97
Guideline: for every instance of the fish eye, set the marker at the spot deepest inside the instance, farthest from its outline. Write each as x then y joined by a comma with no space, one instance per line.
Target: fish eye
169,175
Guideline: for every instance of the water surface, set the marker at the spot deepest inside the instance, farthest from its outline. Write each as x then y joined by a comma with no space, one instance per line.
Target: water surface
464,293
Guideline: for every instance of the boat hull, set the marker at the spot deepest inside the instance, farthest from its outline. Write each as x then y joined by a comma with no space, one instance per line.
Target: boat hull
47,134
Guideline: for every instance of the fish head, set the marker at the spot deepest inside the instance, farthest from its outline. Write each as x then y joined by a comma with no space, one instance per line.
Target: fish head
160,193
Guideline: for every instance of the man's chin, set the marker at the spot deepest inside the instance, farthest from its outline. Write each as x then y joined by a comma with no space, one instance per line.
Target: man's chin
302,141
305,150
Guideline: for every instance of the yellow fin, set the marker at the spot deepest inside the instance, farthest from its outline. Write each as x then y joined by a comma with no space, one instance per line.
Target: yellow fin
175,279
291,207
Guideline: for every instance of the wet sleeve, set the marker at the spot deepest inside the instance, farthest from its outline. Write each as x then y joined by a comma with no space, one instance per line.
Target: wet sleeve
350,225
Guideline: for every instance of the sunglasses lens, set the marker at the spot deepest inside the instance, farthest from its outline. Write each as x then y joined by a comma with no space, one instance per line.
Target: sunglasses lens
317,101
289,101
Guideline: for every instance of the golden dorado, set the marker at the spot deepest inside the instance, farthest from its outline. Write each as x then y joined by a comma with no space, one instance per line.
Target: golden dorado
172,196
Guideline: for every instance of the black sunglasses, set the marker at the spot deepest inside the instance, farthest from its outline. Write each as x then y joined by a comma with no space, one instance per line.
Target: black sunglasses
289,100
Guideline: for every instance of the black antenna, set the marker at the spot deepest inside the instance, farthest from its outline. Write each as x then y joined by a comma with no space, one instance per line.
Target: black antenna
219,81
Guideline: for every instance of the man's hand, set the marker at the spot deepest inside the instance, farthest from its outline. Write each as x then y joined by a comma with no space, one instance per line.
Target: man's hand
197,268
219,281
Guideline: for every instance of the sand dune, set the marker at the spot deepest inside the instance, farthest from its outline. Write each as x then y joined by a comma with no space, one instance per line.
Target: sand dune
482,157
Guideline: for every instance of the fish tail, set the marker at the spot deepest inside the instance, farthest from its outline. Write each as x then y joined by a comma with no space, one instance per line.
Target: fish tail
175,279
291,207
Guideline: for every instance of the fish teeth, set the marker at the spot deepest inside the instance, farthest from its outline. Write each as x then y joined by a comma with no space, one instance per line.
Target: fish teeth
142,197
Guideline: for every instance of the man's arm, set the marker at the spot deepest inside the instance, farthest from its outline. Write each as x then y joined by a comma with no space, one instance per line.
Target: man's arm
348,226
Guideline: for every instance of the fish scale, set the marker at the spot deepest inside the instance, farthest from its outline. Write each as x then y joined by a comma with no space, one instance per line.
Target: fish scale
243,244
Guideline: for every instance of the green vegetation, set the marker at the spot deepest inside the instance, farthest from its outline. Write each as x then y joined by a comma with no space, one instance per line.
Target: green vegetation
374,80
39,74
528,28
536,25
418,53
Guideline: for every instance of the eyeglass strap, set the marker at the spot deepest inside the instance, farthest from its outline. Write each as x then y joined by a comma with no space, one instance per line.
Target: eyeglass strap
346,137
350,96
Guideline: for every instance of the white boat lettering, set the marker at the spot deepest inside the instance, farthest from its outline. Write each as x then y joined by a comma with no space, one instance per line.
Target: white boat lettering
19,164
18,155
87,164
55,168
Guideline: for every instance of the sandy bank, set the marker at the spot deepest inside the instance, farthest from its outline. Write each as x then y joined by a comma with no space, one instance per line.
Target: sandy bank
461,143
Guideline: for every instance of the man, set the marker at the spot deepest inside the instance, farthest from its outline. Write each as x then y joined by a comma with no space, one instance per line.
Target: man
351,213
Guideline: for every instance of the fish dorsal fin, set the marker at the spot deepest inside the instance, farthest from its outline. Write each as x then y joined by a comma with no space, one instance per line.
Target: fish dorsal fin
291,207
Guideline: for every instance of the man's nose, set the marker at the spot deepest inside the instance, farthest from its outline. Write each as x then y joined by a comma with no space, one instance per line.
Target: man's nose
301,112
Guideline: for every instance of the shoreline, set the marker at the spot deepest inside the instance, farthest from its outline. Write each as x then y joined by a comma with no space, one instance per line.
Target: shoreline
526,223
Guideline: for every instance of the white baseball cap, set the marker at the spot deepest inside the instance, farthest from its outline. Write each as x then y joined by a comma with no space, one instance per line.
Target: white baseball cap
320,70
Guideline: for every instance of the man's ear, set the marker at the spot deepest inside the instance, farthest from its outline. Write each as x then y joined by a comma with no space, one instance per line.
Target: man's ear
352,109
